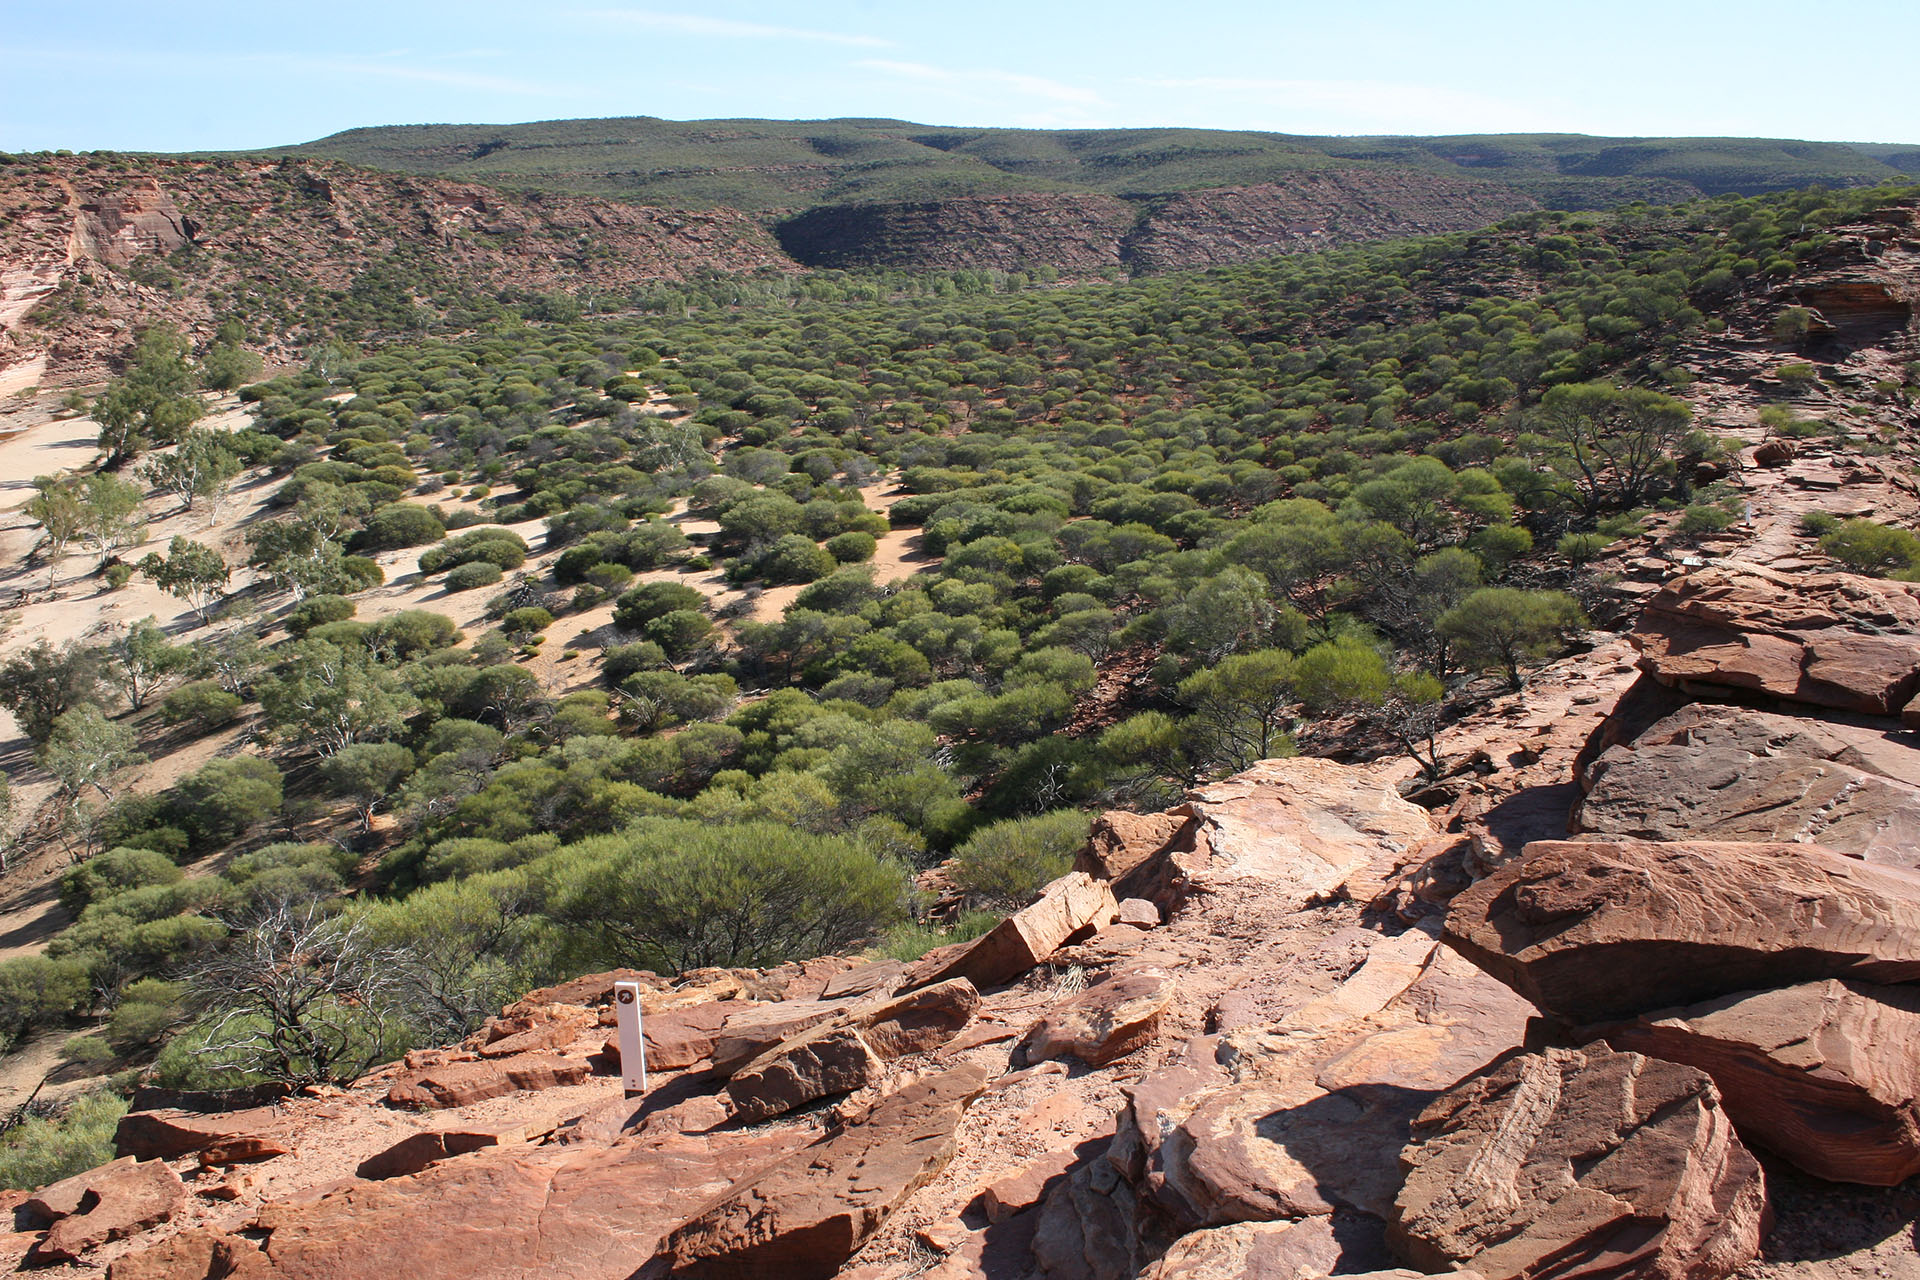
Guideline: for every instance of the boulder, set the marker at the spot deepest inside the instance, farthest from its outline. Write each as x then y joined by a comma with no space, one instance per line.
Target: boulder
1580,1164
757,1028
1597,930
1826,640
258,1133
1304,825
548,1027
199,1254
1112,1018
866,979
920,1021
803,1217
459,1084
111,1202
1692,791
1139,913
1823,1073
1074,904
1120,841
817,1063
1307,1247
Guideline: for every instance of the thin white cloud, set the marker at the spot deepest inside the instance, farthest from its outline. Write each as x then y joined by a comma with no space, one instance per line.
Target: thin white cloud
693,24
373,66
984,84
1382,105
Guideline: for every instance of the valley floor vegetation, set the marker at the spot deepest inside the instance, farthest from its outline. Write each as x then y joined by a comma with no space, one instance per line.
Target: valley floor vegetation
1166,528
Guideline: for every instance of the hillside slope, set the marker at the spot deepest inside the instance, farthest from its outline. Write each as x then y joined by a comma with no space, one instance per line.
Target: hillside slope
787,164
92,249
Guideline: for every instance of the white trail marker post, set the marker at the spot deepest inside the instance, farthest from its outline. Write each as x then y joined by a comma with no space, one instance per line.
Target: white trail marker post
633,1050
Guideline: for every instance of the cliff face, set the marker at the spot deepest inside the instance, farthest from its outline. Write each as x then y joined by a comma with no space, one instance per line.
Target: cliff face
89,252
1316,210
1081,234
1076,234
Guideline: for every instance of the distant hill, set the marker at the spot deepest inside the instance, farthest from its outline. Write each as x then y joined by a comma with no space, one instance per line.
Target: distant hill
762,165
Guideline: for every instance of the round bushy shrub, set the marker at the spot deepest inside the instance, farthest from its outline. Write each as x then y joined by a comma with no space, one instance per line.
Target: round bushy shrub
474,573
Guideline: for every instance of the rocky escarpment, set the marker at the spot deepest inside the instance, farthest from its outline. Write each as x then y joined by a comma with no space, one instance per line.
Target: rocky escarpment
1088,234
91,250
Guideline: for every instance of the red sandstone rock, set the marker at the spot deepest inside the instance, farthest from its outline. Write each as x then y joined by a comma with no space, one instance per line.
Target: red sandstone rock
165,1135
109,1203
459,1084
199,1254
1110,1019
803,1217
551,1027
415,1152
1139,913
1695,791
866,979
826,1060
1824,1073
1580,1164
1827,640
1075,903
1593,930
1121,841
757,1028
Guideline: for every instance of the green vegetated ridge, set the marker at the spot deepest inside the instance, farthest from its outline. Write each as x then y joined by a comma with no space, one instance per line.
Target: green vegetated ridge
775,164
1163,529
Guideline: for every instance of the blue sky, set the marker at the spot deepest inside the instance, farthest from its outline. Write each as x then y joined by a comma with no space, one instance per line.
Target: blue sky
192,75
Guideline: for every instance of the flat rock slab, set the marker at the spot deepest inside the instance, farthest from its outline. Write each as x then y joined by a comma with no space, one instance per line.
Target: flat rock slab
1580,1164
1074,904
108,1203
1695,791
525,1214
1305,825
1824,1073
682,1038
850,1049
167,1135
881,976
415,1152
1890,753
1597,930
803,1217
459,1084
1110,1019
1826,640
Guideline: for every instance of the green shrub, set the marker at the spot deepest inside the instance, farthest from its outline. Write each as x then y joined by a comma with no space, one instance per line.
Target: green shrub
1866,546
37,1151
37,991
852,547
202,701
398,525
680,632
474,573
674,894
525,622
908,942
318,611
223,798
1818,523
115,871
651,600
1011,861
